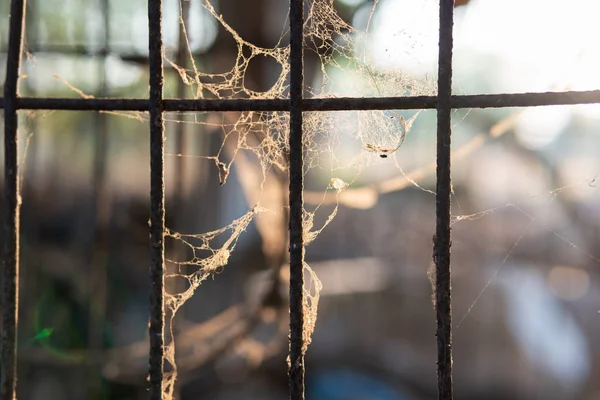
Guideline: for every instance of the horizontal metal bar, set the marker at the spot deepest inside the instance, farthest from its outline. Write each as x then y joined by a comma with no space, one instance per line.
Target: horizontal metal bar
525,99
79,104
370,103
227,105
326,104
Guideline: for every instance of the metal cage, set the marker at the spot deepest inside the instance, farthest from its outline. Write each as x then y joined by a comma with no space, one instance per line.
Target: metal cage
156,105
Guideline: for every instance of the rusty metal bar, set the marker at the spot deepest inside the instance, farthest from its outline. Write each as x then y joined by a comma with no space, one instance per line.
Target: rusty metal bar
444,102
10,290
525,99
441,251
157,200
296,366
329,104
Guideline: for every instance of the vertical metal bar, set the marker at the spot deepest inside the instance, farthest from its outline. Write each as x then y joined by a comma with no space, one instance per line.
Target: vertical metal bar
296,371
96,252
441,252
10,290
157,200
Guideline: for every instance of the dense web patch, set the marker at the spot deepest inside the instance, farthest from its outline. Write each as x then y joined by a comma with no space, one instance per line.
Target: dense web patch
206,259
335,42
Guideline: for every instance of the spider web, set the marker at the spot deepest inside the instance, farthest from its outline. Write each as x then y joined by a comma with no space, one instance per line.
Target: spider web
264,137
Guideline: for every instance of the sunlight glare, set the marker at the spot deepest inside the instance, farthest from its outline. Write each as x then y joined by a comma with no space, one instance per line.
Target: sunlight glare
540,126
537,43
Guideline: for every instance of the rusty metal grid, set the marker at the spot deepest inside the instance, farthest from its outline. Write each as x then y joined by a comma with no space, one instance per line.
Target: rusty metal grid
156,105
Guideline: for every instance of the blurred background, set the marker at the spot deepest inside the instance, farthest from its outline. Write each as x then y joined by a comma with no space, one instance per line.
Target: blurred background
526,210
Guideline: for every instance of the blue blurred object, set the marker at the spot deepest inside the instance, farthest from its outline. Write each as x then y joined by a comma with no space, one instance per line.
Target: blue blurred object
344,384
548,334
